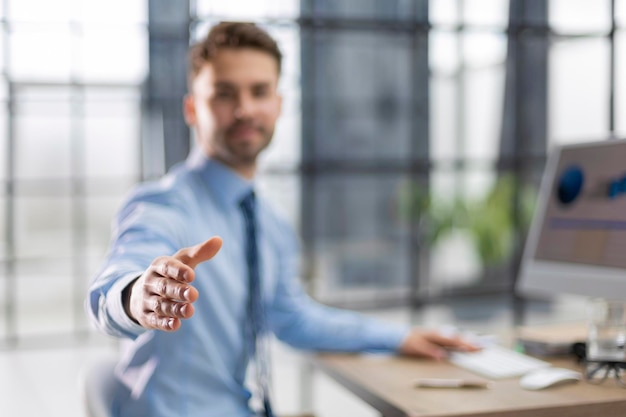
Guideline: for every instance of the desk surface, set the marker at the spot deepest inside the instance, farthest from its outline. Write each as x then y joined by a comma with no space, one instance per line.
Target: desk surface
385,382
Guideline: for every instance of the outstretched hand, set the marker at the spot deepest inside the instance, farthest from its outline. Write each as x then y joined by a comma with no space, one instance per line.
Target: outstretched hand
432,344
162,296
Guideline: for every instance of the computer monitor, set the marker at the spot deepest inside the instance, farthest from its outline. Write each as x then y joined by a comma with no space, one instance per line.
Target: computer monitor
577,240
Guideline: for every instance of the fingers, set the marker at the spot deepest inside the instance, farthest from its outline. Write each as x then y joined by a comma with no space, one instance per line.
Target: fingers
180,266
169,288
433,351
432,344
166,300
417,343
163,314
168,324
199,253
163,296
155,311
168,308
450,342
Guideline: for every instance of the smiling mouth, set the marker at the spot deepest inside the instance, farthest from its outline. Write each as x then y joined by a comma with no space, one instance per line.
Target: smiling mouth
244,131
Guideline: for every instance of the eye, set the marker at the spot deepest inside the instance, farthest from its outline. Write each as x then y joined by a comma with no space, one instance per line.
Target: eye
260,91
224,94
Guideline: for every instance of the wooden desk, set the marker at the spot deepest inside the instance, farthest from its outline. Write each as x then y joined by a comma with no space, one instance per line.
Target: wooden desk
385,382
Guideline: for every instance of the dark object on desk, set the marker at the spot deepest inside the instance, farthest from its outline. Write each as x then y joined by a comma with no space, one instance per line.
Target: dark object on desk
545,349
579,350
596,372
550,341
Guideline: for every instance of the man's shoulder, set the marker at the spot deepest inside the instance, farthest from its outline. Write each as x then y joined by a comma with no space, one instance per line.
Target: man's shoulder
175,188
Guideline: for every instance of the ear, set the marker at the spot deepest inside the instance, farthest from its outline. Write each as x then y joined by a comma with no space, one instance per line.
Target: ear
189,110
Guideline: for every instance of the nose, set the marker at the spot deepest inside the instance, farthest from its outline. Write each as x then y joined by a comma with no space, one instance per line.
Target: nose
244,107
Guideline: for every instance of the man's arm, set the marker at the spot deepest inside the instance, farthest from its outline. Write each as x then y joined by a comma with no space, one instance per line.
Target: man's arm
301,322
152,222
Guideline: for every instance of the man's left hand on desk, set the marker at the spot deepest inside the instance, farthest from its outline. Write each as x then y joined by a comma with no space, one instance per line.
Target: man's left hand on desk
432,344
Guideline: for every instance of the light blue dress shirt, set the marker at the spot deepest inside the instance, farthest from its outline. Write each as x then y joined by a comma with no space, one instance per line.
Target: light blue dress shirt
200,369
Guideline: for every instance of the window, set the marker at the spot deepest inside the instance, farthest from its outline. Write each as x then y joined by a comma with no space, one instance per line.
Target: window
69,151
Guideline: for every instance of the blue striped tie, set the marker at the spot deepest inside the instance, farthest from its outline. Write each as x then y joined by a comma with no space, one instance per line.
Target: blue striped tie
256,312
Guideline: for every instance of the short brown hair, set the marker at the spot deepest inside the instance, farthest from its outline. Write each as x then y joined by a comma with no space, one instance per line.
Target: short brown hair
230,35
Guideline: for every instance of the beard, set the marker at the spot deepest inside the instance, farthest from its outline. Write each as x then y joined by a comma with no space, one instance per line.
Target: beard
243,141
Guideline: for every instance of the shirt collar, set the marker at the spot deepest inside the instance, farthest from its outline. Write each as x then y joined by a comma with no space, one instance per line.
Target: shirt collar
228,187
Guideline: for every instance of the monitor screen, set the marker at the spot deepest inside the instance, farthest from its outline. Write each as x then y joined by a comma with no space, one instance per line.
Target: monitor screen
577,241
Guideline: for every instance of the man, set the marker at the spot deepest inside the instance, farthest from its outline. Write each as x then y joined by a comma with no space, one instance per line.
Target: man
230,293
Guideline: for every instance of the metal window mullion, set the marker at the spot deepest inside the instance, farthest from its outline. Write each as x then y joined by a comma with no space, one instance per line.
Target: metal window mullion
419,166
78,206
77,180
10,262
612,66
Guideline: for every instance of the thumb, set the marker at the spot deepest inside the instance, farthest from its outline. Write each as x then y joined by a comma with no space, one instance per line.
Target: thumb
199,253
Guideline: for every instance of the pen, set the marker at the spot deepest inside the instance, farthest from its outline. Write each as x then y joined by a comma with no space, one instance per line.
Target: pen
451,383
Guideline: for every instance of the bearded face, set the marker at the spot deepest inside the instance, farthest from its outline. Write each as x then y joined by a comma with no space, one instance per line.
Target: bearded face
234,105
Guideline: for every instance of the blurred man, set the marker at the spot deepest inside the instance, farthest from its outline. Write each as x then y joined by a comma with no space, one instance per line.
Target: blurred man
231,293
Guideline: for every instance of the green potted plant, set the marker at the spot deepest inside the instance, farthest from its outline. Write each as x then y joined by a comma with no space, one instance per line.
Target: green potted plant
489,221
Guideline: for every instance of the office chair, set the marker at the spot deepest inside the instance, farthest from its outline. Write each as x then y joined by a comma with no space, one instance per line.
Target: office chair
98,385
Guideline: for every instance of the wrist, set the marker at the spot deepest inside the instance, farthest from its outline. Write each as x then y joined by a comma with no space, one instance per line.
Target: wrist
126,295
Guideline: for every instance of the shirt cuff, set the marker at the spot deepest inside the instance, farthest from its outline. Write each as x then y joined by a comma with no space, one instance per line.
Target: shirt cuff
115,305
397,335
387,337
